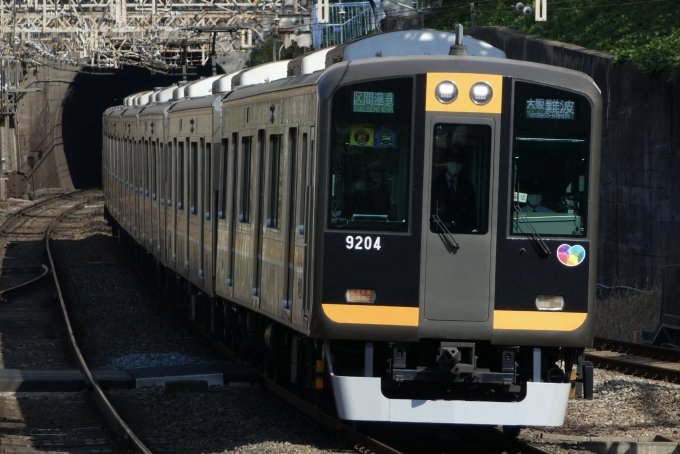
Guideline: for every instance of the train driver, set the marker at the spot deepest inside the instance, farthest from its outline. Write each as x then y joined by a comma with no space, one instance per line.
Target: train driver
534,190
453,197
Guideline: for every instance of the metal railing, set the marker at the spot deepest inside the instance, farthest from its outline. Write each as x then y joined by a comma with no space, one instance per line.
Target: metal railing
344,22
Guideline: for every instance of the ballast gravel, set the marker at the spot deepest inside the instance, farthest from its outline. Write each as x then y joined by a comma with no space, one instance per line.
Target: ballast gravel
130,331
121,327
114,313
221,420
623,406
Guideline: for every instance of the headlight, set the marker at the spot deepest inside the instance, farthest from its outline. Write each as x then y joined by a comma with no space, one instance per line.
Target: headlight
446,92
481,93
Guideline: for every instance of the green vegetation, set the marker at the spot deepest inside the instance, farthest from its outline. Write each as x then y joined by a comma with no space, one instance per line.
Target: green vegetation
646,32
263,53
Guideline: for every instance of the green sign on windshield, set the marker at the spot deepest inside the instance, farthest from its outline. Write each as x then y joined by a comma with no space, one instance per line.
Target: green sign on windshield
373,102
555,109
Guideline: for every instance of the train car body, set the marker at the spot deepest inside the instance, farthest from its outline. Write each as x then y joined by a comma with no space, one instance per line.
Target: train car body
416,232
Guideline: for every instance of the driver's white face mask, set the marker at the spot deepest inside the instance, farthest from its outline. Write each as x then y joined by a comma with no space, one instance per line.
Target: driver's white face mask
453,168
534,200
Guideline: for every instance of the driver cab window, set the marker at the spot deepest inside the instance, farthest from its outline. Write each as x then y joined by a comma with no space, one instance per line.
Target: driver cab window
550,162
461,156
371,156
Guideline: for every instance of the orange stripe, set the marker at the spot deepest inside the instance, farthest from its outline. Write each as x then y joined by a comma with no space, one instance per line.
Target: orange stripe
372,315
538,320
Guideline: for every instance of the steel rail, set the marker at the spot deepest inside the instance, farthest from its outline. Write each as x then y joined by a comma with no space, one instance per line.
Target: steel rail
115,421
46,271
634,368
20,212
632,348
364,443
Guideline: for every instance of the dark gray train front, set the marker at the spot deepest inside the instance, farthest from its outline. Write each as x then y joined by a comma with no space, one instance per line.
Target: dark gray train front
406,270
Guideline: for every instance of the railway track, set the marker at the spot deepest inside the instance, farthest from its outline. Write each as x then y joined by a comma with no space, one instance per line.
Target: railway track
641,360
370,438
42,334
33,422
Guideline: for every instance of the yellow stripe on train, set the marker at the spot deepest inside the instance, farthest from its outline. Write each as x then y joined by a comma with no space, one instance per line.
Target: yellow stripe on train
372,315
463,103
538,321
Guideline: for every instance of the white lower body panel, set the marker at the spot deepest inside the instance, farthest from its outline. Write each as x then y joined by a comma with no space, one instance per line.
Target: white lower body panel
360,399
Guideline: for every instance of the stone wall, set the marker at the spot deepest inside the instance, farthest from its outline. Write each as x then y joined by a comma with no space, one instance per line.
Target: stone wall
640,193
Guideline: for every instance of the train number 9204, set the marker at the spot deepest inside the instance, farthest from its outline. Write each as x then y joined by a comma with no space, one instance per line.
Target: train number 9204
362,242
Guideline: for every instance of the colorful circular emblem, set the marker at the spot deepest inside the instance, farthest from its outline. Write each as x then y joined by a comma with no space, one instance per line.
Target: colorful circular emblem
571,255
362,137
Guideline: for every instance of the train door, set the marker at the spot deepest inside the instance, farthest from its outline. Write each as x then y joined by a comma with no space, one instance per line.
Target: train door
195,236
225,216
166,198
153,199
159,238
259,218
458,235
242,242
307,213
129,183
270,278
298,226
209,214
180,212
289,257
203,209
139,192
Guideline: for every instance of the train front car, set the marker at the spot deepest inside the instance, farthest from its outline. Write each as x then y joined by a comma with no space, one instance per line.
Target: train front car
459,242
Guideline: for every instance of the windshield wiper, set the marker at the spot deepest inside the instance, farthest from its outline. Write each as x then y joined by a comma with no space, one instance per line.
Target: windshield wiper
533,234
445,231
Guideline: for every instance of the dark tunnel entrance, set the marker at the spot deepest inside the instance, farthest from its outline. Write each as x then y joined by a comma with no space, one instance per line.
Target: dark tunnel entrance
86,100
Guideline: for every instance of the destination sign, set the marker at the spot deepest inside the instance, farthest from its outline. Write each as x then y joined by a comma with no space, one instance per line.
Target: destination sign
554,109
373,102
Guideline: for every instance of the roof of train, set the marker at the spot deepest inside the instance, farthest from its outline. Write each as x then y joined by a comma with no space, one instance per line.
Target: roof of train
360,55
194,103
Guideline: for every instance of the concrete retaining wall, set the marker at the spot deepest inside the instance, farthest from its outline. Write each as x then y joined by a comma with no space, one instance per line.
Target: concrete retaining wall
39,124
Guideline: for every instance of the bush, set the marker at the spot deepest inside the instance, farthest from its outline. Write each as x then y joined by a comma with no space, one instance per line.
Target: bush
647,32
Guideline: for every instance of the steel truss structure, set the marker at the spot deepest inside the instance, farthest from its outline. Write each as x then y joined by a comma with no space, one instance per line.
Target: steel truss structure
163,35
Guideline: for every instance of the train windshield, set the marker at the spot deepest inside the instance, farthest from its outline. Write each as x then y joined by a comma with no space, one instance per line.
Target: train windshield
550,162
370,150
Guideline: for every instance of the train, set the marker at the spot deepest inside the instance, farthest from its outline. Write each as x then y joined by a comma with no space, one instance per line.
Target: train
404,225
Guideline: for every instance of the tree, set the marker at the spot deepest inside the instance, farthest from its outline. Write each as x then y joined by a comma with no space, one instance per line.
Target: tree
263,52
646,32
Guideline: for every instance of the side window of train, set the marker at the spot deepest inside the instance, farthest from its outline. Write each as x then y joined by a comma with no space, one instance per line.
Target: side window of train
246,158
276,162
302,165
146,168
223,178
231,178
154,151
140,167
292,176
461,163
550,161
168,173
180,174
207,177
193,182
370,155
